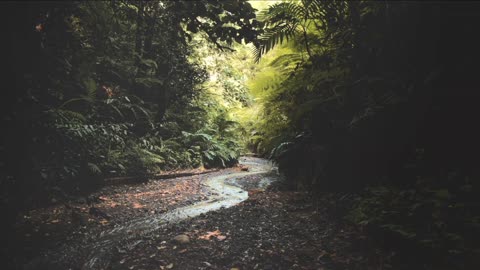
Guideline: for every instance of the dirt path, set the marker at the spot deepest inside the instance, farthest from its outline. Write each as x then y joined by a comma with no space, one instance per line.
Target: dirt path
84,234
272,230
221,220
222,195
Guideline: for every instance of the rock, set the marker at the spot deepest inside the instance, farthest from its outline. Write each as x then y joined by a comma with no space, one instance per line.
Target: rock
77,218
182,239
98,213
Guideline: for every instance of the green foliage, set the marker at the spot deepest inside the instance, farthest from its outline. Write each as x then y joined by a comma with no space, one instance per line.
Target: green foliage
353,94
282,21
430,219
118,88
352,78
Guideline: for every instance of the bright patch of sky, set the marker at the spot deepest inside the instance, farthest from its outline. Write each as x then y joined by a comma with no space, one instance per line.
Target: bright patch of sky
262,4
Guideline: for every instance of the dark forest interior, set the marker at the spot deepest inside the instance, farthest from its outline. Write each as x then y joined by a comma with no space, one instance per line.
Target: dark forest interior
240,134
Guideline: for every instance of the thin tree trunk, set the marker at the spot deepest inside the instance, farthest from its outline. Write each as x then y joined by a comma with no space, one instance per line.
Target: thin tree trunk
138,34
150,31
307,45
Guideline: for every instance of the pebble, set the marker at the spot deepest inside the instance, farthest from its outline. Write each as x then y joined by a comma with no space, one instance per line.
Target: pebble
182,239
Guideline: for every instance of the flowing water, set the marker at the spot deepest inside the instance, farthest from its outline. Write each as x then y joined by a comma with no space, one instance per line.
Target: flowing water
96,250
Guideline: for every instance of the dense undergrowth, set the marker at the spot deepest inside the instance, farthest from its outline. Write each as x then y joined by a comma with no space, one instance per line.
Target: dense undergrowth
376,99
102,89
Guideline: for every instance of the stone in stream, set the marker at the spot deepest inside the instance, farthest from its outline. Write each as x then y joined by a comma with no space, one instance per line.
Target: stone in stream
182,239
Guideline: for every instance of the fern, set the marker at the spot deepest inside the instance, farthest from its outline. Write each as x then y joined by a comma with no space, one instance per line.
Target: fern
151,158
280,150
94,168
282,22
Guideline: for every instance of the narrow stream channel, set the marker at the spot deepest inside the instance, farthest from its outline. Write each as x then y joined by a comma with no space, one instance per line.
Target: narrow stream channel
98,249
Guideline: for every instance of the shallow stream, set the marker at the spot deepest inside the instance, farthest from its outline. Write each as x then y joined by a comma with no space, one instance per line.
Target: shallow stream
95,251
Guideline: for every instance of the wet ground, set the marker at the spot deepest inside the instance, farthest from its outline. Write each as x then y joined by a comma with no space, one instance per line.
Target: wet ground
237,218
81,233
271,230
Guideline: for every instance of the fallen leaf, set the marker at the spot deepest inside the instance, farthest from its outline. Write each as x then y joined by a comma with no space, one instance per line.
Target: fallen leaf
137,205
104,222
112,204
216,233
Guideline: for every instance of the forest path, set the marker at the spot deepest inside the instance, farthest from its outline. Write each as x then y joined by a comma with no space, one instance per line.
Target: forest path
230,219
223,193
122,215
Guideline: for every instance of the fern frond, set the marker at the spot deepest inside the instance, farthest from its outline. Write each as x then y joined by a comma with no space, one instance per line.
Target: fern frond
94,168
281,22
151,158
287,60
67,116
280,149
272,37
280,12
117,110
